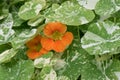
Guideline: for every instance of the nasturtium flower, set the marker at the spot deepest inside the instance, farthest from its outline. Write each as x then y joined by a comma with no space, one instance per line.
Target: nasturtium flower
34,43
56,37
35,49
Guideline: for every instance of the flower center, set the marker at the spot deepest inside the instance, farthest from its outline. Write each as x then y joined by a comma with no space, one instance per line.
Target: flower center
56,35
38,47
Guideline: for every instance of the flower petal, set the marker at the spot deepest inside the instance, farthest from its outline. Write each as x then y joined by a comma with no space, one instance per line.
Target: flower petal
47,43
33,42
32,54
43,51
50,28
59,46
67,38
37,37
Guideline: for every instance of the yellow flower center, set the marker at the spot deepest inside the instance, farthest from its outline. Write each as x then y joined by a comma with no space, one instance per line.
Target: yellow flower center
56,35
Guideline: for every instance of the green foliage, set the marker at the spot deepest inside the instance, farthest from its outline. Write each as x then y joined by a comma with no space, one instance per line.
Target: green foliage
6,31
113,70
117,2
88,4
21,36
17,70
48,73
93,55
31,9
7,55
70,13
101,38
43,60
36,20
107,9
4,9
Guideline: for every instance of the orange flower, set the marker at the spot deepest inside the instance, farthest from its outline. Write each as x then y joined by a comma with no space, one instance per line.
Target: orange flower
54,29
47,43
32,54
35,49
56,38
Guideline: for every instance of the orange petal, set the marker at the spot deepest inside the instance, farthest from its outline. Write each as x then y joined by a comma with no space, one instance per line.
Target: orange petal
59,46
47,43
30,44
52,27
67,38
37,38
43,51
32,54
33,42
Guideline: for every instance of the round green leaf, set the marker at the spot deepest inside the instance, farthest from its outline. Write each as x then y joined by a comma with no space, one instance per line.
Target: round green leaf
70,13
6,31
106,7
31,9
17,20
88,4
101,38
7,55
36,20
17,70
